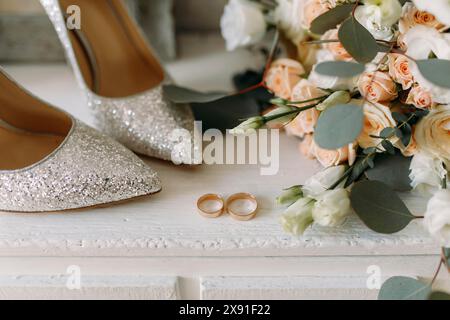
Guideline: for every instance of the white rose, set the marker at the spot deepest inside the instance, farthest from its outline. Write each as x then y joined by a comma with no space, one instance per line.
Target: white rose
327,82
243,23
298,217
322,181
289,21
378,16
437,217
439,8
427,173
421,41
331,208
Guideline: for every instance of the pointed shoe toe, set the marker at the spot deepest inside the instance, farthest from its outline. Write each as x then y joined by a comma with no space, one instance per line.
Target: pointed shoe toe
88,169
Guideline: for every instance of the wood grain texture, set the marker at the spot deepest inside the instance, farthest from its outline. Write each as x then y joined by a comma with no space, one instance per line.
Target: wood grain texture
286,288
93,287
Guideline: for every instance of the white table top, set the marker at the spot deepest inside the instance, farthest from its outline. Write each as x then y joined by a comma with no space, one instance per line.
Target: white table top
167,224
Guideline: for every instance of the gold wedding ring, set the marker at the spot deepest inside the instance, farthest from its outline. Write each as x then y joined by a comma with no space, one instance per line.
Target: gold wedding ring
211,205
242,206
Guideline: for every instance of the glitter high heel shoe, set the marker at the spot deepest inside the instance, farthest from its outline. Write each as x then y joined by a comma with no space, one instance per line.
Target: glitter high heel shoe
122,78
52,162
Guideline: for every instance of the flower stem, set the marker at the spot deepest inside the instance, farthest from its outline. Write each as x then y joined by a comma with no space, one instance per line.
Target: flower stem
281,115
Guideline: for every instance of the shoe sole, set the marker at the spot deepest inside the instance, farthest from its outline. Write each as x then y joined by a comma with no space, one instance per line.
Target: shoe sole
97,206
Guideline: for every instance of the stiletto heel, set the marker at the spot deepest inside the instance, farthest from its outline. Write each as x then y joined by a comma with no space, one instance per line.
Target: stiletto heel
122,78
53,162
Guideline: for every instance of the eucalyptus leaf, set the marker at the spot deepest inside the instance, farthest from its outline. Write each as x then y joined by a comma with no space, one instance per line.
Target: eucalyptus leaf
436,71
180,95
438,295
447,257
330,19
387,133
392,170
404,288
341,69
358,41
358,169
379,207
387,145
339,126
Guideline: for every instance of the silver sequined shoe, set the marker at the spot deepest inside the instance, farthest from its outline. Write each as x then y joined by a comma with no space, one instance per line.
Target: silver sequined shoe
122,78
52,162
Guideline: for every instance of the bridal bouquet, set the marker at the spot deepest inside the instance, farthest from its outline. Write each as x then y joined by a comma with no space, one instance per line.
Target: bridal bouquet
365,86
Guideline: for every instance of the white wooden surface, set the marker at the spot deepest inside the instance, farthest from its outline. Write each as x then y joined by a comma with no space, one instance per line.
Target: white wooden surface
92,287
164,236
285,288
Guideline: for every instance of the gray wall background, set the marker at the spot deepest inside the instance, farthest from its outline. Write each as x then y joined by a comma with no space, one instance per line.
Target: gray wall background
27,36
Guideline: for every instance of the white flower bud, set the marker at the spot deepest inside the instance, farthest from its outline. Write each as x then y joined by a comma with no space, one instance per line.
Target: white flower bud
331,208
289,196
437,217
298,217
249,126
338,97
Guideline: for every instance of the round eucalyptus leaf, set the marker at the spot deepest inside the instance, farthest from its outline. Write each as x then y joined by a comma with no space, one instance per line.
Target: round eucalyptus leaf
330,19
436,71
341,69
379,207
358,41
438,295
339,126
404,288
180,95
393,170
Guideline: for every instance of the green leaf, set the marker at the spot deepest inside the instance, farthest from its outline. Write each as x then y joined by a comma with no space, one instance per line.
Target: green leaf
399,117
341,69
437,71
387,133
379,207
404,288
387,145
339,126
358,169
330,19
358,41
447,257
439,296
392,170
406,134
178,94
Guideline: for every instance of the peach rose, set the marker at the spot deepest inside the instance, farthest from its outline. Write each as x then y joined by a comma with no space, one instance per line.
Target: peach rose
399,70
306,147
420,98
377,86
412,17
304,123
329,158
310,10
433,133
377,118
306,90
282,76
336,48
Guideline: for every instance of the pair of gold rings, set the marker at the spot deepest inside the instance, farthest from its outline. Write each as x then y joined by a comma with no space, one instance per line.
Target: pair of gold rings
240,206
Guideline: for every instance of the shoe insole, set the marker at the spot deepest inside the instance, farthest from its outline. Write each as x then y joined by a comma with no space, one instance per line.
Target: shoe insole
21,149
124,65
29,128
